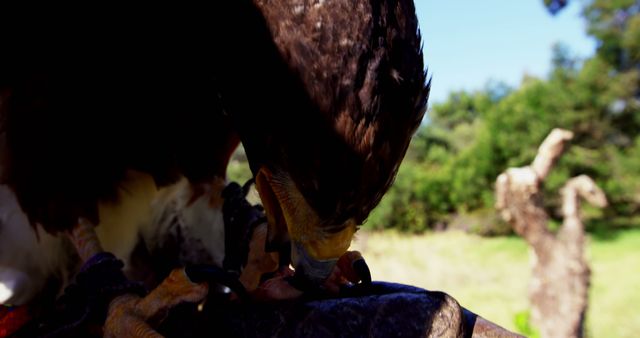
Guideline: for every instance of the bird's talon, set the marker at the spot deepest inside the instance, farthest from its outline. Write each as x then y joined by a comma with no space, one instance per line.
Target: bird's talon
129,315
362,271
354,268
123,319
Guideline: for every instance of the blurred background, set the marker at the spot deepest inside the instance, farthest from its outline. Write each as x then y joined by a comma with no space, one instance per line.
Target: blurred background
505,73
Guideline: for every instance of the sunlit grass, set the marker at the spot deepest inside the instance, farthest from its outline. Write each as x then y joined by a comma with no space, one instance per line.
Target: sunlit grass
615,288
490,275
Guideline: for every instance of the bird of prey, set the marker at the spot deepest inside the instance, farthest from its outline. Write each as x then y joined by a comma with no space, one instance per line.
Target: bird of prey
338,95
323,94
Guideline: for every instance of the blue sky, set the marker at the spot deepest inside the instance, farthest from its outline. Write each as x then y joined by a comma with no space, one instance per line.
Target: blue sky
470,42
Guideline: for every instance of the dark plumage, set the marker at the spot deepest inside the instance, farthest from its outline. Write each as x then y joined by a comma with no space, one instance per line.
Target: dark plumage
361,67
337,99
82,106
324,95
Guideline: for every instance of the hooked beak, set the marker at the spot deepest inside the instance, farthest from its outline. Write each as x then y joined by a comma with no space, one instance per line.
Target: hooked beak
314,252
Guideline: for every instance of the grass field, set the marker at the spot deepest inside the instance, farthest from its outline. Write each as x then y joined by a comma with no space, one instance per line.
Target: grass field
490,275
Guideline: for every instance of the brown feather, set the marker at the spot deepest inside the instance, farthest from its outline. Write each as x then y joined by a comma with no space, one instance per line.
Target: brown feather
361,65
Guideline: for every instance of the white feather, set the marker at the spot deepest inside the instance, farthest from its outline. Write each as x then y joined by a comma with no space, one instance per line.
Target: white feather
28,262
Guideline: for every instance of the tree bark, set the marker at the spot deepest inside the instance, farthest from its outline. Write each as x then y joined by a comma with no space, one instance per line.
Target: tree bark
560,276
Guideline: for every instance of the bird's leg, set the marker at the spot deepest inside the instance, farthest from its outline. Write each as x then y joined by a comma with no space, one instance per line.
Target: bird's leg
130,315
85,301
134,316
85,240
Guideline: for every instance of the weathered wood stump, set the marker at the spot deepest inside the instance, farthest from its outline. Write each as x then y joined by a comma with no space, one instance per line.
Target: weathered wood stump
560,279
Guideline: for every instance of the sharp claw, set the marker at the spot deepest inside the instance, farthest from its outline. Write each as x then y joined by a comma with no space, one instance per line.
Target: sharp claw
123,320
246,187
129,315
354,268
211,273
362,271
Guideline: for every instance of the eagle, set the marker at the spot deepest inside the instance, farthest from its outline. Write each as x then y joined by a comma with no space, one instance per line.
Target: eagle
324,96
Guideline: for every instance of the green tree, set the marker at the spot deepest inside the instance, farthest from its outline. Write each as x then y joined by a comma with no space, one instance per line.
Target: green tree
469,139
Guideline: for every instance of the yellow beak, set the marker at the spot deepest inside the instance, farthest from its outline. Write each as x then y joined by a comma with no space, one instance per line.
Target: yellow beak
314,252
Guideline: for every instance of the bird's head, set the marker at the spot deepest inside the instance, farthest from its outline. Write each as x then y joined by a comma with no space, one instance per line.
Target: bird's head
319,175
332,110
319,180
316,240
